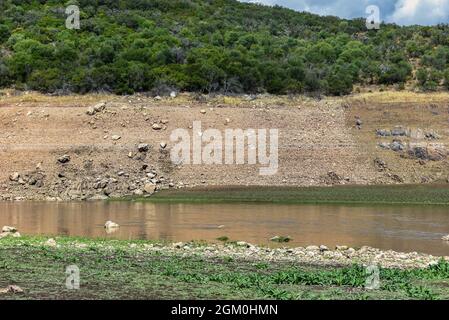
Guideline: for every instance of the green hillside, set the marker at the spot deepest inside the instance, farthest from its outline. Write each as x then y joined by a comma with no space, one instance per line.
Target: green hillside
224,46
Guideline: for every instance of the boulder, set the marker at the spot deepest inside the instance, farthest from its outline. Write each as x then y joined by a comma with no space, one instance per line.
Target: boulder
90,111
116,137
156,126
398,132
436,154
397,145
99,107
11,289
149,188
64,159
111,225
51,242
9,229
243,244
14,177
429,153
445,238
143,147
380,164
280,239
383,133
384,145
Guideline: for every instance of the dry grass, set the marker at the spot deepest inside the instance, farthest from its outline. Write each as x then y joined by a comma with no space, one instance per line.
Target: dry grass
401,97
8,97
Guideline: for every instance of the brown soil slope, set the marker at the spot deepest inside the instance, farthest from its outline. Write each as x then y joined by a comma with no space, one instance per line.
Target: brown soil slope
332,141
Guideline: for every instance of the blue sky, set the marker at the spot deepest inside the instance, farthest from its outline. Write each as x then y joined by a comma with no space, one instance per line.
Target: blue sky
403,12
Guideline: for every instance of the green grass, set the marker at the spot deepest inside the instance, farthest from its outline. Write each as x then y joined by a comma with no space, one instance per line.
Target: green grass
113,269
380,194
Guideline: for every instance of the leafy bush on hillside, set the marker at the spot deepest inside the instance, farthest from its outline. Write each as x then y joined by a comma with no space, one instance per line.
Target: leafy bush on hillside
225,46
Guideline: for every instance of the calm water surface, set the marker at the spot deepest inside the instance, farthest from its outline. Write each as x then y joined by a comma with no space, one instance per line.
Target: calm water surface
398,228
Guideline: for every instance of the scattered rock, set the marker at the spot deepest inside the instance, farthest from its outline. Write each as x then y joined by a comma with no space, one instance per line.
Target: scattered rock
149,188
143,147
398,132
100,107
90,111
397,146
178,245
383,133
243,244
95,109
9,229
51,242
14,177
111,225
116,137
280,239
64,159
11,289
380,164
332,178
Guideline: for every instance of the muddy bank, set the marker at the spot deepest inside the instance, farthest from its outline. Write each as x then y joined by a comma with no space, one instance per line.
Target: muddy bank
100,146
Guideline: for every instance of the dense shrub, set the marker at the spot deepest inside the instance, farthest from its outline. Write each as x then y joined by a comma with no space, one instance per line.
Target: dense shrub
209,46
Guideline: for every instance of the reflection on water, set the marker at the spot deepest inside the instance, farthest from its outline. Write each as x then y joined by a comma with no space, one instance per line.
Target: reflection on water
397,228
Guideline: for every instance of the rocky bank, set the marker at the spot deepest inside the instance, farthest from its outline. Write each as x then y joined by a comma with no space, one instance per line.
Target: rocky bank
97,147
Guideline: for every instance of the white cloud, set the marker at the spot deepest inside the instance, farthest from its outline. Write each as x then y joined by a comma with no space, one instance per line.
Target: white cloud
420,12
404,12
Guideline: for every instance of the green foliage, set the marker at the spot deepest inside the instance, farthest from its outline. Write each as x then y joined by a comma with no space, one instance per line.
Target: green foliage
209,46
116,269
